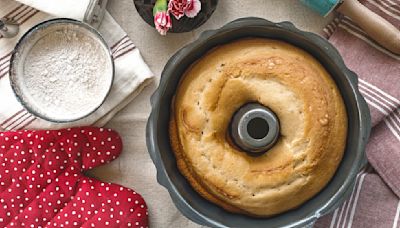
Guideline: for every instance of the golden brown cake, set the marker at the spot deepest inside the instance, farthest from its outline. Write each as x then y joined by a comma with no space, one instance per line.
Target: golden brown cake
290,82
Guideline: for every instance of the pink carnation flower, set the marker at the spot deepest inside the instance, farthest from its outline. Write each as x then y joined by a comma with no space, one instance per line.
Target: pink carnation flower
162,21
178,7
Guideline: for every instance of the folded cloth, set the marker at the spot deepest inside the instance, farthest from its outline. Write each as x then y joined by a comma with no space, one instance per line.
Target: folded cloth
131,72
42,182
374,201
90,11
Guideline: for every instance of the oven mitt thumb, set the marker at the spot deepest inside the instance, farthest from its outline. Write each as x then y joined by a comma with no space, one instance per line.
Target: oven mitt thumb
42,184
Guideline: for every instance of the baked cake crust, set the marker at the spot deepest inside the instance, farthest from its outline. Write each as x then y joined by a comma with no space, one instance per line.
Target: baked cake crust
283,78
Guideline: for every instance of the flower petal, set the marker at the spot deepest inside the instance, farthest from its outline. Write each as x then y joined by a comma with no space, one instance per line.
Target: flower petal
178,7
193,9
162,22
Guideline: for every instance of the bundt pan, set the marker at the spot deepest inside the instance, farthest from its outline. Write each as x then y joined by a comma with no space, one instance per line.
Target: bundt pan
201,211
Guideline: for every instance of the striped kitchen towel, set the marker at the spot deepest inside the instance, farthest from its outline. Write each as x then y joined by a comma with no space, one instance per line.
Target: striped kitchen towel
374,201
131,72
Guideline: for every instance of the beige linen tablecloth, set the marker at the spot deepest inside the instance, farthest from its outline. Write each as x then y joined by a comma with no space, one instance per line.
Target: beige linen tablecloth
134,168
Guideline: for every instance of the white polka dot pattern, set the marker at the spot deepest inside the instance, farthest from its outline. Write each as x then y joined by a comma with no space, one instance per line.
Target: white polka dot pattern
42,184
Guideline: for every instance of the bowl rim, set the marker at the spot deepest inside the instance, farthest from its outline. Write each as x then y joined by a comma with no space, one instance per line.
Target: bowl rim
363,115
43,25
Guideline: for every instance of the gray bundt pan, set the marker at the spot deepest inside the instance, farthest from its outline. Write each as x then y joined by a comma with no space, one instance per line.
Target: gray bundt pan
196,208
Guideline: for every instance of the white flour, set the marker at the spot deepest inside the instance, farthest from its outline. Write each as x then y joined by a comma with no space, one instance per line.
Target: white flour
66,74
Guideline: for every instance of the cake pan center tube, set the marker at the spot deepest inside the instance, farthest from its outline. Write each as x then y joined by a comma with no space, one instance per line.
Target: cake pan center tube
254,128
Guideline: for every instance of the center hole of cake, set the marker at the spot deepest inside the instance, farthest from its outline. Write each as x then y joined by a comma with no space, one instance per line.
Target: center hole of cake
257,128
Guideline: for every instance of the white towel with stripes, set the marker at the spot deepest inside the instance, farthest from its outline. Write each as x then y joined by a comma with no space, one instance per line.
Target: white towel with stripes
131,73
90,11
75,9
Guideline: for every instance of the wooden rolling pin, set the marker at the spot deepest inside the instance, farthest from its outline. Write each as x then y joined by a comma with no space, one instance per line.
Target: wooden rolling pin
379,29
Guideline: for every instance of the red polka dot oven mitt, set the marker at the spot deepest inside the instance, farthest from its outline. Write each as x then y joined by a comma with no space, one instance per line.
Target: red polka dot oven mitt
42,184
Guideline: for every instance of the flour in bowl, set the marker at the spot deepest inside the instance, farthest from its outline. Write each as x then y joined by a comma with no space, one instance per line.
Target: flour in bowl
66,74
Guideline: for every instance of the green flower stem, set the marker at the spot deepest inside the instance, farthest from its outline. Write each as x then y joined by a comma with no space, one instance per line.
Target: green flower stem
160,6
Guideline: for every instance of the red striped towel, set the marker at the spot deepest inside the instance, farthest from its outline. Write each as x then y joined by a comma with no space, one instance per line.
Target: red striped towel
131,72
374,201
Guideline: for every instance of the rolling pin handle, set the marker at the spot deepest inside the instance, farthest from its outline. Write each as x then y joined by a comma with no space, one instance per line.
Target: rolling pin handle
374,25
